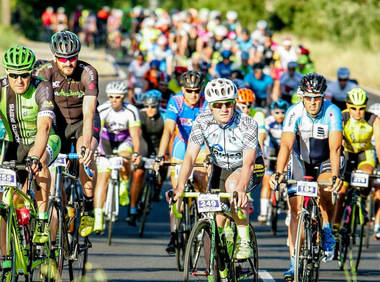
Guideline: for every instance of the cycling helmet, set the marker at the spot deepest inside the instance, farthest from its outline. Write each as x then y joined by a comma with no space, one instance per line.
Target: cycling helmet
231,15
65,44
178,70
357,97
155,64
226,54
313,83
279,104
152,98
220,89
204,66
221,31
375,108
18,58
116,87
262,24
343,73
245,95
192,79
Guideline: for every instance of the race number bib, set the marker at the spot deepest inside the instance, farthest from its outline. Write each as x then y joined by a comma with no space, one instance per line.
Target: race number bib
60,161
116,162
359,179
7,177
306,188
208,203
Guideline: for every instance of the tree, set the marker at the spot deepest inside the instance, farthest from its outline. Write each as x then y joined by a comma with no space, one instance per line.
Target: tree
5,12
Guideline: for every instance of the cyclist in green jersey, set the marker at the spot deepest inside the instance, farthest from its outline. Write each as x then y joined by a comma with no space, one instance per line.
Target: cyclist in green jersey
27,110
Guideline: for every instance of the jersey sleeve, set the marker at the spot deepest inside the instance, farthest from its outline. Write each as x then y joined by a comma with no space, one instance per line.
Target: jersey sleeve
44,100
172,109
196,134
250,135
135,120
290,121
44,70
90,81
335,118
259,117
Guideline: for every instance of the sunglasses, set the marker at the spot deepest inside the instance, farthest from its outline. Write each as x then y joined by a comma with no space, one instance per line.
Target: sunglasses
17,75
114,97
279,112
313,98
219,105
151,106
362,108
196,91
64,60
244,105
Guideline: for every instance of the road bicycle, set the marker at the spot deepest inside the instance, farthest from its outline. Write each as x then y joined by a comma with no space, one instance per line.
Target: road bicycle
22,256
354,220
210,255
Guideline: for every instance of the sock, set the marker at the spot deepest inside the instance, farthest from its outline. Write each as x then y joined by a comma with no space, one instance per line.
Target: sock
377,226
124,183
132,210
98,211
263,206
243,232
42,215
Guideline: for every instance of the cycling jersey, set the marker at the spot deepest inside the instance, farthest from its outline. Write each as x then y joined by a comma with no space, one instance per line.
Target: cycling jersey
152,128
183,114
223,70
312,134
274,130
20,112
69,91
259,86
259,117
357,134
226,144
137,73
334,90
116,124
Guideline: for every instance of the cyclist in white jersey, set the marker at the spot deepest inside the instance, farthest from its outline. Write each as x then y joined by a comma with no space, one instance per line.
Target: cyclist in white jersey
232,139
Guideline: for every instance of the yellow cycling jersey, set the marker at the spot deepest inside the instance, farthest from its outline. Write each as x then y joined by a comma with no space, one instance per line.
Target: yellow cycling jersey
357,135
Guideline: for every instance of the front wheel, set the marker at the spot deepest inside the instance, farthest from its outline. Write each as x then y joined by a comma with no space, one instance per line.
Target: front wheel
356,235
147,192
274,212
9,267
200,261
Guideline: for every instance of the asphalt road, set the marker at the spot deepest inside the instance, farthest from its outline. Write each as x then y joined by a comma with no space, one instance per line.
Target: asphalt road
131,258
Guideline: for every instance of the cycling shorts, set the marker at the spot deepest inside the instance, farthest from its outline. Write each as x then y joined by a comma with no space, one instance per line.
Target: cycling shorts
219,176
356,160
270,165
297,169
19,151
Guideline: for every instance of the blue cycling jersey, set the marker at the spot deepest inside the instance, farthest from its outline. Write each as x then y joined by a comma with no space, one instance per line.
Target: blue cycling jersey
274,130
183,114
311,143
223,70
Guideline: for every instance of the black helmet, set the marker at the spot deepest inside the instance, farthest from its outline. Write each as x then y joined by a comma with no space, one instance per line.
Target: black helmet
313,83
192,79
65,44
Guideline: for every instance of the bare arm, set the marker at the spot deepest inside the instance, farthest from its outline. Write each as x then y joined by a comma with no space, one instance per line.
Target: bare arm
135,132
287,141
269,94
42,135
376,133
89,107
169,128
335,142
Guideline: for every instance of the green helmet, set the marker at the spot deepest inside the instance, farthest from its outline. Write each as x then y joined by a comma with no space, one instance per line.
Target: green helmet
18,58
357,97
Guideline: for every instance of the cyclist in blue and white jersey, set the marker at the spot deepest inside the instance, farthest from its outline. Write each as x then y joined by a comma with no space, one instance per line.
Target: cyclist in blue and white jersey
273,126
311,137
232,138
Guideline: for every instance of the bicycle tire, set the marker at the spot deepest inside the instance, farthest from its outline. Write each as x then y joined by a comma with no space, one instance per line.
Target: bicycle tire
274,214
110,218
181,240
355,247
59,246
250,272
370,223
146,200
344,237
200,237
10,275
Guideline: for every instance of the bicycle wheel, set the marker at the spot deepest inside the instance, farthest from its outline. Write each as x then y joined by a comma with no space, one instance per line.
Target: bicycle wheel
56,222
248,270
181,233
356,235
200,263
9,273
274,213
147,192
303,267
111,215
369,225
344,237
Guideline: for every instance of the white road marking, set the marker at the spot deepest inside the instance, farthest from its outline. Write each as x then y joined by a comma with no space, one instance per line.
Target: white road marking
265,276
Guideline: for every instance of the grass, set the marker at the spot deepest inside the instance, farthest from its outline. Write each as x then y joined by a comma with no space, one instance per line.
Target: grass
9,38
328,57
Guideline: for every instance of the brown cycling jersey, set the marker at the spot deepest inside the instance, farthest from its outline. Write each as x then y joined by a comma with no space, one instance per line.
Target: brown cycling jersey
70,90
19,112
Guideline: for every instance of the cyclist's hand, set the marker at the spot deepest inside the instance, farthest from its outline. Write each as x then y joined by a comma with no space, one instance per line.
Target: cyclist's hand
35,164
87,156
275,179
159,162
178,192
136,159
242,200
337,183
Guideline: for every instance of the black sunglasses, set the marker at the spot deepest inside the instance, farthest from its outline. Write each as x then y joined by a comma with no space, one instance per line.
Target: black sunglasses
17,75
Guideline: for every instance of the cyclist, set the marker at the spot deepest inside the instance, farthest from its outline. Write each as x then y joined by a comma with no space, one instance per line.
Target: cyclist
27,111
152,127
312,137
273,125
289,81
233,143
261,84
359,126
120,132
75,87
180,114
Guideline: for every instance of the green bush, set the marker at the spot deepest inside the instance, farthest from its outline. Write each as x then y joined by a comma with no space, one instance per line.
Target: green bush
10,37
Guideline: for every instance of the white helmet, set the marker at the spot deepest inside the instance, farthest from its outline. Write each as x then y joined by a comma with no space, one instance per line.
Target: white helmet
220,30
220,89
227,44
375,108
116,87
261,24
231,15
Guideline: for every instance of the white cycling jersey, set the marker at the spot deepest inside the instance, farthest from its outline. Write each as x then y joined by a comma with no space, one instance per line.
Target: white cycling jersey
226,144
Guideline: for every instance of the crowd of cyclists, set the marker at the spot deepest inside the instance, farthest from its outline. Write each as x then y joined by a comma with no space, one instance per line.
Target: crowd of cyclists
199,84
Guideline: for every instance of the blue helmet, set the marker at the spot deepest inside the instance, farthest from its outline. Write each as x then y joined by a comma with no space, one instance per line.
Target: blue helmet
152,98
155,63
226,54
279,104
